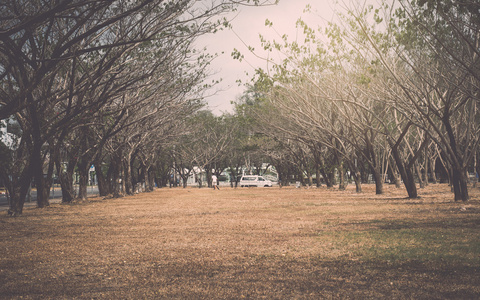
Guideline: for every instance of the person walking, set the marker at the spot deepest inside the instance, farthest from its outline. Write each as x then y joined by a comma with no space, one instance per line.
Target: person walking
215,182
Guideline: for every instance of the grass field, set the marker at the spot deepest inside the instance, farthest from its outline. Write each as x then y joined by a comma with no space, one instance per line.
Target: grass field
246,243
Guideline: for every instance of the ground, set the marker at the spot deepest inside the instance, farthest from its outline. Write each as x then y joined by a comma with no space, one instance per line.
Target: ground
252,243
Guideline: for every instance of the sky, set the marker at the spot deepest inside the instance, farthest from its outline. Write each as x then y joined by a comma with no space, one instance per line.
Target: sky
248,23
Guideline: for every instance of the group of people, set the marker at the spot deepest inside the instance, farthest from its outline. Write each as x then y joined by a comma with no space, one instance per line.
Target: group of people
214,181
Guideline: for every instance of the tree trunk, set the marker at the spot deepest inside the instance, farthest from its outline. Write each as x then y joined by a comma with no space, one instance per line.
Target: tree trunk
17,190
425,169
433,174
83,168
150,179
146,178
377,175
406,174
103,186
66,184
355,172
341,173
65,176
309,177
233,176
328,177
419,175
116,181
459,175
398,180
135,176
333,177
460,184
358,181
208,171
199,180
127,176
443,170
318,175
17,200
477,170
37,170
184,183
396,177
48,178
117,193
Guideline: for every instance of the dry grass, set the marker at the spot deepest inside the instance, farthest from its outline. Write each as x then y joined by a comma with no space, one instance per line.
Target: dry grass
246,243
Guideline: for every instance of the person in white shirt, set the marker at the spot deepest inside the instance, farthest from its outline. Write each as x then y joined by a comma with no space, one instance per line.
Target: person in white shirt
215,182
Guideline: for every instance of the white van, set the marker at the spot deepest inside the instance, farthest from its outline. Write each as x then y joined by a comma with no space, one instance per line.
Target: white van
254,180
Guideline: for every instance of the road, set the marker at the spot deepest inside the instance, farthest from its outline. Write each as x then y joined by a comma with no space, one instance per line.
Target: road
55,197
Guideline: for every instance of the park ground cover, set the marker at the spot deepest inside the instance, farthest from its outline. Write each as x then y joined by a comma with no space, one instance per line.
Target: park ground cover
246,243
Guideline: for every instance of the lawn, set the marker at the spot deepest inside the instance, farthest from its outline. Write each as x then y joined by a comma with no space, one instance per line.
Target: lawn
246,243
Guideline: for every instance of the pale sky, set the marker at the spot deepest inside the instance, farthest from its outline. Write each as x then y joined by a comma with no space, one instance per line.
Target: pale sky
248,23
